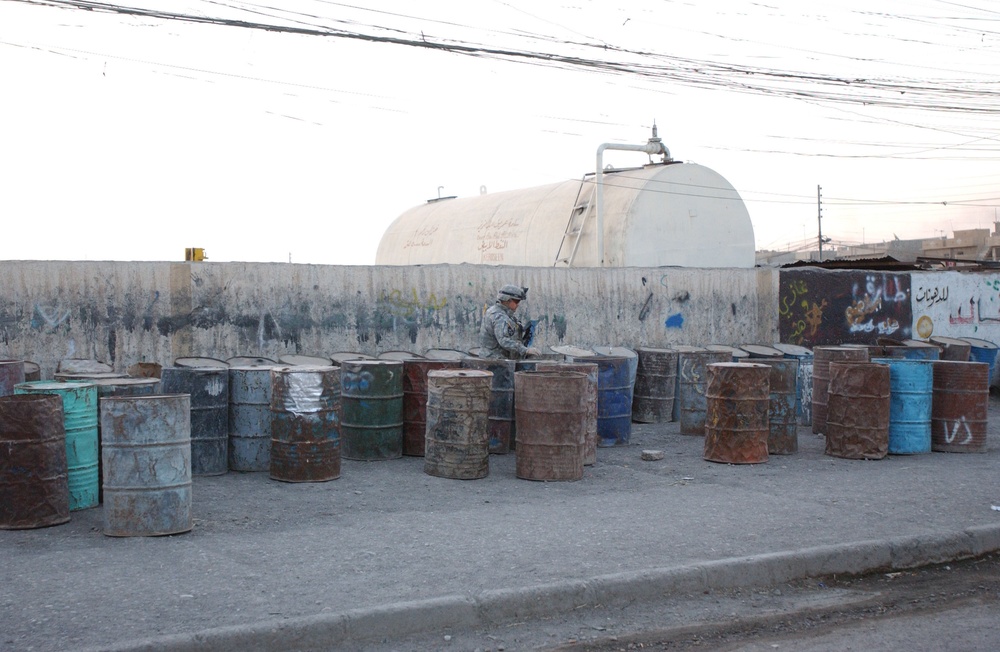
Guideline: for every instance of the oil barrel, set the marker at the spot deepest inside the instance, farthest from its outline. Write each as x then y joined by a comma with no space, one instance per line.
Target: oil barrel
145,370
32,371
911,388
250,361
398,355
415,401
983,351
614,398
857,423
952,348
959,406
305,426
552,416
692,377
147,464
803,410
782,421
299,359
250,417
590,436
822,357
655,380
457,435
11,373
737,403
502,425
371,419
79,402
209,391
34,488
739,355
118,387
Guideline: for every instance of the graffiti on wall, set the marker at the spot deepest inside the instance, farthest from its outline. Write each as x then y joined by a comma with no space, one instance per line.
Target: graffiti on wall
856,307
954,304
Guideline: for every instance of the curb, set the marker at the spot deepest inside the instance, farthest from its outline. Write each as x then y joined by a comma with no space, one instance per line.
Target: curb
491,608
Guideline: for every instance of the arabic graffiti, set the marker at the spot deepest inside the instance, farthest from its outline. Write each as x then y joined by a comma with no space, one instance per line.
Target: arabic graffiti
818,307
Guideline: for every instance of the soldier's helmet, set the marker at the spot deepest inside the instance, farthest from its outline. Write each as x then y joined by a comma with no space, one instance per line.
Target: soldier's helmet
508,292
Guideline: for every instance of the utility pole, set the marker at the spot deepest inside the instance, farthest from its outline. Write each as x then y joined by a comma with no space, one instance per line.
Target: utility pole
819,220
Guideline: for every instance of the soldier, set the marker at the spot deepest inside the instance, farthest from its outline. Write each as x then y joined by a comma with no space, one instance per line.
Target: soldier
501,334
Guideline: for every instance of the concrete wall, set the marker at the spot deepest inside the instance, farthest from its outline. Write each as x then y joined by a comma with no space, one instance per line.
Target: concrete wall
127,312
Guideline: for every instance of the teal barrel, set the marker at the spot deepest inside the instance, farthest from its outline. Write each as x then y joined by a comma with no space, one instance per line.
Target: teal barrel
782,420
692,379
250,417
80,421
456,444
147,464
911,390
209,391
614,398
11,373
305,426
33,490
371,403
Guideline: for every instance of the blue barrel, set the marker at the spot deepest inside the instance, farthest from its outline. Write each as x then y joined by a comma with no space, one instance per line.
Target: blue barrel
805,357
147,464
982,351
209,390
614,398
80,418
911,389
633,363
250,417
692,374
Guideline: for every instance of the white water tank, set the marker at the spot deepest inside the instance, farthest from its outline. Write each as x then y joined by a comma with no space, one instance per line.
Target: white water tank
673,213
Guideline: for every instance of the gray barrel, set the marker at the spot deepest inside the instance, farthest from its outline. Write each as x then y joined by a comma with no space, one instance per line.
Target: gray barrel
655,379
805,388
250,418
305,423
249,361
371,404
911,386
119,387
502,433
209,390
343,356
692,375
34,491
761,351
147,464
80,420
590,437
782,420
11,373
680,348
457,439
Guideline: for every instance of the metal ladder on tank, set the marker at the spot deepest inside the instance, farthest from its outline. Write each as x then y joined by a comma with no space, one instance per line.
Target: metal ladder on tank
582,208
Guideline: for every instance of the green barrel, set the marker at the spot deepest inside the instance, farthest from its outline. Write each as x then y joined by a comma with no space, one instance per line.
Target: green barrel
371,423
80,418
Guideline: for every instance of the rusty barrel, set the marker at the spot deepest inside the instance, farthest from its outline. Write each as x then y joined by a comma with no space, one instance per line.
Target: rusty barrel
305,427
34,488
692,378
415,372
11,373
209,391
552,424
371,418
250,417
147,464
822,357
783,426
590,437
118,387
501,401
857,423
959,406
655,378
911,384
145,370
87,376
457,436
737,404
32,371
79,401
614,398
952,348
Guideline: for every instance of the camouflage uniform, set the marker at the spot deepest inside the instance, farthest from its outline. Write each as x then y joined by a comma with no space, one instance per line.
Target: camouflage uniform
501,335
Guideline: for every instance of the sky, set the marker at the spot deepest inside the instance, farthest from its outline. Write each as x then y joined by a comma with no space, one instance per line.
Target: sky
298,132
